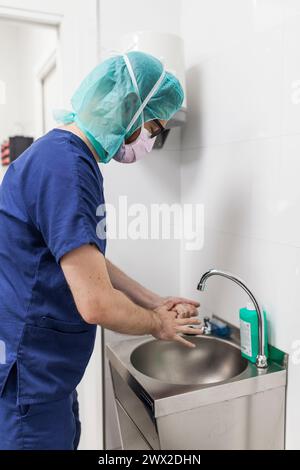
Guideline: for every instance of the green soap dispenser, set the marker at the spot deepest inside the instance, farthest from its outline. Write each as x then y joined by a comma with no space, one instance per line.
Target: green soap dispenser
249,332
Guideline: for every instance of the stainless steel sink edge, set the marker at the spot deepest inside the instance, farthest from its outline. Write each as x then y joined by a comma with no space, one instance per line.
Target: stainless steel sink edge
218,393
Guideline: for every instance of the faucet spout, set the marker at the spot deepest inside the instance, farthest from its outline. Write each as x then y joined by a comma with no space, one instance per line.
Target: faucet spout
261,360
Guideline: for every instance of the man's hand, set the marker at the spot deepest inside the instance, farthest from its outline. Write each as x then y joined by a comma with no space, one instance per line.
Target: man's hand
169,326
184,308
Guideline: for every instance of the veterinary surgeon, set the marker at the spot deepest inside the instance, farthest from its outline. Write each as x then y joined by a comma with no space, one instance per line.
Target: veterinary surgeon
56,285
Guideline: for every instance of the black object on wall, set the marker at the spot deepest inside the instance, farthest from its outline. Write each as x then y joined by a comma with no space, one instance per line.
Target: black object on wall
17,145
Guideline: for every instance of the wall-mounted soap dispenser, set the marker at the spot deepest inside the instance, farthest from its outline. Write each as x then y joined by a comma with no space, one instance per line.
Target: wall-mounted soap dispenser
169,49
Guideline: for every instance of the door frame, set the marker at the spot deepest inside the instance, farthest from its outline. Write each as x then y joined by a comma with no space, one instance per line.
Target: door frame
36,17
41,74
43,19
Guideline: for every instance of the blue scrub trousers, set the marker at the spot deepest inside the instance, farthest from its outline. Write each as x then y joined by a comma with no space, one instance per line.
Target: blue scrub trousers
46,426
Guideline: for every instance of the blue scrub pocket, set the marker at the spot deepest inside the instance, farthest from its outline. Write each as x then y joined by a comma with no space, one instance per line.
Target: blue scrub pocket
52,358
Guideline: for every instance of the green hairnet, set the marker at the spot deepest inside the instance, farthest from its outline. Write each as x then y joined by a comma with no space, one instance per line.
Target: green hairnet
107,100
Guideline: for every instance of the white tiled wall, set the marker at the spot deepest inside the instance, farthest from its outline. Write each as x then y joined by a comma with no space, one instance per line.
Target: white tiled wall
241,158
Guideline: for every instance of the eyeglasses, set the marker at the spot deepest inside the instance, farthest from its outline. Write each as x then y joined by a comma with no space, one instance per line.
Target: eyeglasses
160,129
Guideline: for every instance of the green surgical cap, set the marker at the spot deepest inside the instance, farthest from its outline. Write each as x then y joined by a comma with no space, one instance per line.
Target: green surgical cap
107,100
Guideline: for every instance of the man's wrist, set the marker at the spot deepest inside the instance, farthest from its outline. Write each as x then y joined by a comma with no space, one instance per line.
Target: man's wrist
155,323
155,302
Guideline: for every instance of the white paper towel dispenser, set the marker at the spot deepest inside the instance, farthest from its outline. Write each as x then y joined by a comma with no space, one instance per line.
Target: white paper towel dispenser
169,49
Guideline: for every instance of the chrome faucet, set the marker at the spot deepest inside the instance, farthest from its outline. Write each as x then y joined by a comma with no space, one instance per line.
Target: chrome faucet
261,360
207,326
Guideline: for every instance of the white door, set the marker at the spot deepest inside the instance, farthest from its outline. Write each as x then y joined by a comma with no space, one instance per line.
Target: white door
76,56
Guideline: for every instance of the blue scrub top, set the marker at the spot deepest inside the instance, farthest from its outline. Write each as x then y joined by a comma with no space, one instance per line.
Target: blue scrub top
48,203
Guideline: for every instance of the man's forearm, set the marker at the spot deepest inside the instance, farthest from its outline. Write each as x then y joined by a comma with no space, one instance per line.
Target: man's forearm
122,315
100,303
135,291
126,317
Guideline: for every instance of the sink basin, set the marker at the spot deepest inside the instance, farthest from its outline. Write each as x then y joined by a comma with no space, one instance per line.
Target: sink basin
212,360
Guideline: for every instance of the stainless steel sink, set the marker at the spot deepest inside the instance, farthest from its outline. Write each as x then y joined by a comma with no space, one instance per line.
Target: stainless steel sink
212,360
209,397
